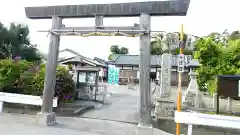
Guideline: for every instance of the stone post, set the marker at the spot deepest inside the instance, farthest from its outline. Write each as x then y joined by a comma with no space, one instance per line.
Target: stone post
46,116
215,101
145,123
98,20
229,104
165,84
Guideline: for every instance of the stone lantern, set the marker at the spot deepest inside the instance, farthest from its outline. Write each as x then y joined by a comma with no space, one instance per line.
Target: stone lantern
193,97
193,65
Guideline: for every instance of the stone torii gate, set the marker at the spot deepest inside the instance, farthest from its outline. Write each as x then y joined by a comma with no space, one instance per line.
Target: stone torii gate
142,9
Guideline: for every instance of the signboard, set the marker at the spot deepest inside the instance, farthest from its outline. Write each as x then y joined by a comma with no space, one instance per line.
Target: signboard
228,86
113,75
181,63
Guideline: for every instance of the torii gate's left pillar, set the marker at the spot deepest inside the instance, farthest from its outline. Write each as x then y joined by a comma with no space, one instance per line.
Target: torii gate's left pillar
47,116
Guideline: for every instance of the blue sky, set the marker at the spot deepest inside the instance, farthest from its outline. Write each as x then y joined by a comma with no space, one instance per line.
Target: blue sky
204,16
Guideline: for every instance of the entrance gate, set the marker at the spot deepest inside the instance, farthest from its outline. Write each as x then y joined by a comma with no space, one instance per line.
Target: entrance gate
142,9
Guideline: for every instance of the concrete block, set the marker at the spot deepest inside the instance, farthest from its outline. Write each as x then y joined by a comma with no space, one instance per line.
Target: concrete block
144,130
46,119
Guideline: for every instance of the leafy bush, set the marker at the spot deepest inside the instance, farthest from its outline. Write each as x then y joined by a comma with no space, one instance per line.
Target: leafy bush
216,58
10,75
22,77
64,84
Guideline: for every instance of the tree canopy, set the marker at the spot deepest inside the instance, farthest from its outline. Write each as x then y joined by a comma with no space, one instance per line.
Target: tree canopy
15,42
115,50
218,54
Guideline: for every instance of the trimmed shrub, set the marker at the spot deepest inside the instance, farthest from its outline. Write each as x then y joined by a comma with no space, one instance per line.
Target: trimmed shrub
64,84
24,78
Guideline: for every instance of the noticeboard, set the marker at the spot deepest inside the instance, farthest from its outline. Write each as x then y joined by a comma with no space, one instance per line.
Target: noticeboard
229,86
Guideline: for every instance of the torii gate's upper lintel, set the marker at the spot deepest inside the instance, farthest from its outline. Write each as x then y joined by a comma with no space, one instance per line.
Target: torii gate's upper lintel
153,8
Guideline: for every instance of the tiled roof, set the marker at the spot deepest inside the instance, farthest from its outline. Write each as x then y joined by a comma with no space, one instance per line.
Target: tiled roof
99,60
79,58
155,60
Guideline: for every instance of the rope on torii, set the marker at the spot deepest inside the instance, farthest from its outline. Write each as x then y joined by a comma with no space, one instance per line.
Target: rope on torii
97,32
106,32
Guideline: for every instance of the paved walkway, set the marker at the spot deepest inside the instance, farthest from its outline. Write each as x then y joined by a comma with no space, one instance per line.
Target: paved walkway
111,119
12,124
118,117
122,105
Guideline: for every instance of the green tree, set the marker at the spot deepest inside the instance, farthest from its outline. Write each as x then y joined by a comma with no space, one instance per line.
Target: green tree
218,56
115,50
156,44
235,35
207,52
5,49
15,42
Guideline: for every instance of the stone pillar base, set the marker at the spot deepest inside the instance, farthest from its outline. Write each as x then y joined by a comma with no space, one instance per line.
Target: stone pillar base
144,130
46,119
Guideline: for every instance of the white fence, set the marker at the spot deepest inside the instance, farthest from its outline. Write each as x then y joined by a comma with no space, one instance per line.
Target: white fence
22,99
192,118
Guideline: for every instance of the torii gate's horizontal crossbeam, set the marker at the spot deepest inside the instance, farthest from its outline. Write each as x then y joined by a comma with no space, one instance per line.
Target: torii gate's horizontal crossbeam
154,8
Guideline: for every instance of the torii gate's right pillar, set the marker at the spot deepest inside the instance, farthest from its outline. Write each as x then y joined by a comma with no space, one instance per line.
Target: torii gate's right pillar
145,123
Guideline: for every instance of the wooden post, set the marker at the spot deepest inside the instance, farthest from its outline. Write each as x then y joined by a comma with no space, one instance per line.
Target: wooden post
217,109
96,85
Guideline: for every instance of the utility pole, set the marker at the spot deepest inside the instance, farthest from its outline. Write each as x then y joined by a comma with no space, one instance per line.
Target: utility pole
180,70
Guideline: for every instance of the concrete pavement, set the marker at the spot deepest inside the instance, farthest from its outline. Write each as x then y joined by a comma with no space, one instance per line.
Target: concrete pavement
20,124
118,116
12,124
119,107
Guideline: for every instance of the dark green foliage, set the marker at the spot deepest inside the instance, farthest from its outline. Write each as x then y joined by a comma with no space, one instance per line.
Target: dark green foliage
24,77
15,42
115,50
